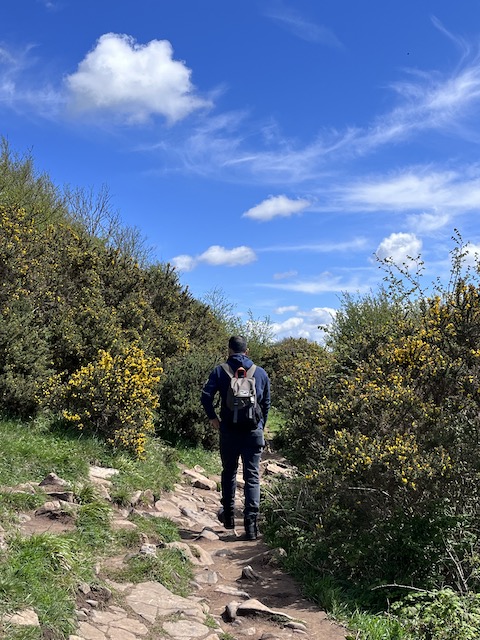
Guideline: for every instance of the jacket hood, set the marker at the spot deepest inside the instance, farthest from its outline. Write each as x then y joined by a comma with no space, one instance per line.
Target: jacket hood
239,360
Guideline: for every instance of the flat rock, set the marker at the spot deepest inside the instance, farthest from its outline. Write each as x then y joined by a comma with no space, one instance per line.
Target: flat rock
123,523
198,517
51,507
102,473
207,577
167,508
193,552
200,481
185,629
151,599
232,591
256,607
25,618
207,534
64,496
116,621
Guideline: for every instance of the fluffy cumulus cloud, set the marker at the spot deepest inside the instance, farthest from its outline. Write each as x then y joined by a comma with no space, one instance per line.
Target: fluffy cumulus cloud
276,207
399,247
133,81
216,256
472,254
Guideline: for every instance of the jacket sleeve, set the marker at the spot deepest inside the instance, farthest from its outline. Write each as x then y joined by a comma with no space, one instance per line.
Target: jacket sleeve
265,401
208,394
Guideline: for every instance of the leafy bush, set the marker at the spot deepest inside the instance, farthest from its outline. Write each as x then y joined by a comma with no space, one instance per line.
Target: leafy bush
443,615
114,396
388,441
299,372
181,416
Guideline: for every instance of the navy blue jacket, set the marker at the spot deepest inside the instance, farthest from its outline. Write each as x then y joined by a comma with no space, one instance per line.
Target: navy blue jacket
219,382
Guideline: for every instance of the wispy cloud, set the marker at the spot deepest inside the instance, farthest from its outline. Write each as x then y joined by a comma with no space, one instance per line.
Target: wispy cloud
428,222
323,283
414,188
288,309
18,91
426,102
285,275
322,247
304,28
133,81
216,256
276,207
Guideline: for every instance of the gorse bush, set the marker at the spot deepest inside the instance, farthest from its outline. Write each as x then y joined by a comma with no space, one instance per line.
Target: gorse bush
181,418
387,440
298,370
74,284
114,397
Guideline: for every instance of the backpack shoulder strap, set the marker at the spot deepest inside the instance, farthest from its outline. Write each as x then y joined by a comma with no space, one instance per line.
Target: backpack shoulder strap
227,368
251,371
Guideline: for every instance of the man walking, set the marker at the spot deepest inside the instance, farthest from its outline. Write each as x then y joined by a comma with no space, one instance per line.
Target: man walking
240,436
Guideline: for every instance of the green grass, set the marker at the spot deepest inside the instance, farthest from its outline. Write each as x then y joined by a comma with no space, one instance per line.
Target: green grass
44,570
275,423
32,449
170,568
156,529
191,456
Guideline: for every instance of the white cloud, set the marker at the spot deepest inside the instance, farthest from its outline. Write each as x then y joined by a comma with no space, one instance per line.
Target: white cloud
413,189
472,252
276,206
133,81
428,222
305,29
282,310
325,282
322,247
183,262
305,324
399,247
219,256
216,256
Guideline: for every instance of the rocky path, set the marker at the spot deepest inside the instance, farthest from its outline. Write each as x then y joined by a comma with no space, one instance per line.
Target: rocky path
238,591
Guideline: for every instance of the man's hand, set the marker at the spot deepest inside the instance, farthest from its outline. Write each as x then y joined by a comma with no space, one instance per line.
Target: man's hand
215,423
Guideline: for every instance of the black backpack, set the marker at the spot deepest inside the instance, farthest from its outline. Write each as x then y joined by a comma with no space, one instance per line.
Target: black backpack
241,399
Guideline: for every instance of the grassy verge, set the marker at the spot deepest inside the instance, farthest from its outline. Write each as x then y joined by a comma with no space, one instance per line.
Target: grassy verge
43,571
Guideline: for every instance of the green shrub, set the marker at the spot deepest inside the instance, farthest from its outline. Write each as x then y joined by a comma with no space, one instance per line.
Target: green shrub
181,416
114,397
442,615
387,437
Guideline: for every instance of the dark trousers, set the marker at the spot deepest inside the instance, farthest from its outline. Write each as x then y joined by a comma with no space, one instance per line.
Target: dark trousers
236,444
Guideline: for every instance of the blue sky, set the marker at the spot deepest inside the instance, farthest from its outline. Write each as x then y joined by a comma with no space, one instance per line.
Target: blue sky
268,149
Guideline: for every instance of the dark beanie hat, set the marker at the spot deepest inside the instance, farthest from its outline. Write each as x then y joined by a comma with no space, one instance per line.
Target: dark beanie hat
237,344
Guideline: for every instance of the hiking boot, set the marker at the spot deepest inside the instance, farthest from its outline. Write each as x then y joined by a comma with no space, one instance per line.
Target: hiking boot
226,518
251,529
